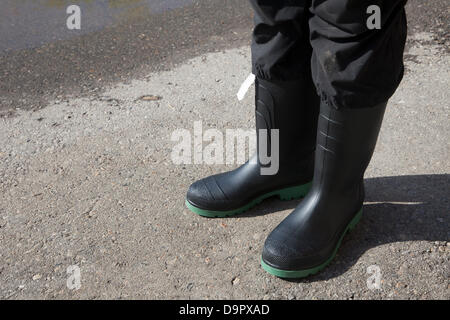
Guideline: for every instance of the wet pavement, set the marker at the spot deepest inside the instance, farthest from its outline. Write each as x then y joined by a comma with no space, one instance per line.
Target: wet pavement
29,24
40,59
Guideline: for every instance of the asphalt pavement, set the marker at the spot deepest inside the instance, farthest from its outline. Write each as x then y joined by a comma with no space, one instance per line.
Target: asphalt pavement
87,179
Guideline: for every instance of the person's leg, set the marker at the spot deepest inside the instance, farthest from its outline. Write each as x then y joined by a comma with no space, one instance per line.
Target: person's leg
354,66
355,70
286,100
280,44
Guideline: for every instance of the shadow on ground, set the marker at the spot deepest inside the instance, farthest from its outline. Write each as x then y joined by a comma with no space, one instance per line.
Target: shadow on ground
396,209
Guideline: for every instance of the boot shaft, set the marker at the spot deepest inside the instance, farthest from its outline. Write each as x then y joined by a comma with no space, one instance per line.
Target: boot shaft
346,140
292,108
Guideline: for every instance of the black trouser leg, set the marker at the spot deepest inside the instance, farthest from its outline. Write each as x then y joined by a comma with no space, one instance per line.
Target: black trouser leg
280,44
353,66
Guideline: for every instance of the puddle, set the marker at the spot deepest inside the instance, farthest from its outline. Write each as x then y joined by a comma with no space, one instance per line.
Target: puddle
32,23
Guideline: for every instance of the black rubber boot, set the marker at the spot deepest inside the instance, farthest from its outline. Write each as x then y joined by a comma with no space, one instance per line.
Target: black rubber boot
308,239
291,107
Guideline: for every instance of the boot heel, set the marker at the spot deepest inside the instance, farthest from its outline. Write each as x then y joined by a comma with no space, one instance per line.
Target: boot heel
294,192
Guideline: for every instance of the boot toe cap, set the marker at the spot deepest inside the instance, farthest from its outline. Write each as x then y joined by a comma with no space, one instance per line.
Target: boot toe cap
278,255
198,194
204,194
285,253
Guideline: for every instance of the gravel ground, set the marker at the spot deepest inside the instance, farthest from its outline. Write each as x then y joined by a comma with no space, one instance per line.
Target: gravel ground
89,182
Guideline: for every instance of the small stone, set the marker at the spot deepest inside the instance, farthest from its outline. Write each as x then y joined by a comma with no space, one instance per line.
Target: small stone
235,281
400,285
37,277
150,98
